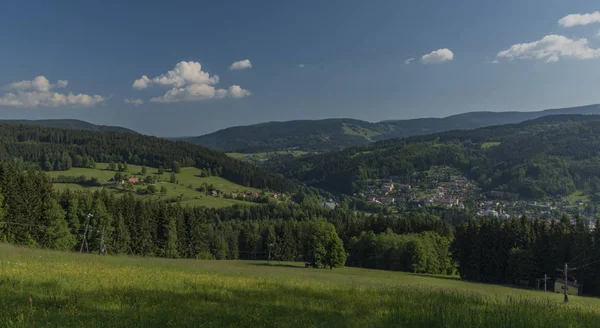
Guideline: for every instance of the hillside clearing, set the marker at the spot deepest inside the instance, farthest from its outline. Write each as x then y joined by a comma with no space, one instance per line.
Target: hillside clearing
184,189
487,145
69,289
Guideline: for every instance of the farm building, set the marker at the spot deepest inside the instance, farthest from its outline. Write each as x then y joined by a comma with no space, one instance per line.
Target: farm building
387,187
573,288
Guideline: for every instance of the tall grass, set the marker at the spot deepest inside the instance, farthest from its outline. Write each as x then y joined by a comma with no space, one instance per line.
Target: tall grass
72,290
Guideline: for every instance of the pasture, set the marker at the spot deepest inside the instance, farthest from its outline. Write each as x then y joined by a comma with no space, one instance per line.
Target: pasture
188,180
53,289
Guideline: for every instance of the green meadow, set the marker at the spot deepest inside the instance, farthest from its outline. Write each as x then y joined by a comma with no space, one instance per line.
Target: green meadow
40,288
490,144
187,181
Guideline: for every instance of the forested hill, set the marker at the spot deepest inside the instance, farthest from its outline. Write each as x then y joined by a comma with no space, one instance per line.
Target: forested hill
308,135
52,148
553,155
69,124
335,134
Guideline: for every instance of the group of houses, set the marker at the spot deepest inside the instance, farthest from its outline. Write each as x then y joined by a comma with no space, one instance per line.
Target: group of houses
122,182
451,193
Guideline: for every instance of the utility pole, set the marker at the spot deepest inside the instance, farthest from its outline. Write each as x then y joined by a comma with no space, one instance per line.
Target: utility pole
102,246
565,272
84,240
566,282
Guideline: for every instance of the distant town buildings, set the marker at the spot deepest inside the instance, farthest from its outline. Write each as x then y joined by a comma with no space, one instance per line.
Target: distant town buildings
387,187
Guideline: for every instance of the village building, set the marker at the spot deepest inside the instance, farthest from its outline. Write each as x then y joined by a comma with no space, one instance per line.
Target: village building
573,288
387,187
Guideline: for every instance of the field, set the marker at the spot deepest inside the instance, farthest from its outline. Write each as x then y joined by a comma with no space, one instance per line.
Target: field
487,145
188,177
52,289
574,197
264,156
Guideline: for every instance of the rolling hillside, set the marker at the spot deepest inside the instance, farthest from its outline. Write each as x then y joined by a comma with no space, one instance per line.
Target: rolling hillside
336,134
54,149
190,187
548,156
70,124
69,290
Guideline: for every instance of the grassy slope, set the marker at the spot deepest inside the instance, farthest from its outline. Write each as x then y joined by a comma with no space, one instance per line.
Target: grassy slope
487,145
572,198
72,290
263,156
187,176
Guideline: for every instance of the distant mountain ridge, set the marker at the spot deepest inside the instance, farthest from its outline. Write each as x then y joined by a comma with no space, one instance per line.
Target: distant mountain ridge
70,124
553,155
336,134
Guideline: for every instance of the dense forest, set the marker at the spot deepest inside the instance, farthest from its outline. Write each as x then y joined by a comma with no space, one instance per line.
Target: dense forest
520,249
31,213
59,149
335,134
549,156
69,124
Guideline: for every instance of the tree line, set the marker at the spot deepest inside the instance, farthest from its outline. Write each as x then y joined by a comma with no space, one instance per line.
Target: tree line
486,250
521,250
32,213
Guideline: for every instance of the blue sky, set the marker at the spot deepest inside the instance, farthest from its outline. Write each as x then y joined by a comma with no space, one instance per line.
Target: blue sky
309,60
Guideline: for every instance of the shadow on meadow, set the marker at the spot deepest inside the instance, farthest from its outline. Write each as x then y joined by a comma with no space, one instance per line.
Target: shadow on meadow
272,305
281,265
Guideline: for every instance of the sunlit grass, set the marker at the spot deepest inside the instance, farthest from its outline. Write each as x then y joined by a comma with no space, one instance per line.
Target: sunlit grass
188,180
93,291
487,145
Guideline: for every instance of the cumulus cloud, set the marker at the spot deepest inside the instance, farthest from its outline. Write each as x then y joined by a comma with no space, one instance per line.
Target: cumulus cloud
188,83
38,93
437,56
242,64
408,61
551,48
40,83
192,92
135,102
183,73
236,91
580,19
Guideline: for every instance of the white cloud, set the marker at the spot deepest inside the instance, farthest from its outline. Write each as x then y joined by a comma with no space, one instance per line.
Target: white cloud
236,91
38,93
183,73
39,83
495,62
141,83
135,102
580,19
242,64
189,83
551,48
408,61
301,66
437,56
192,92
